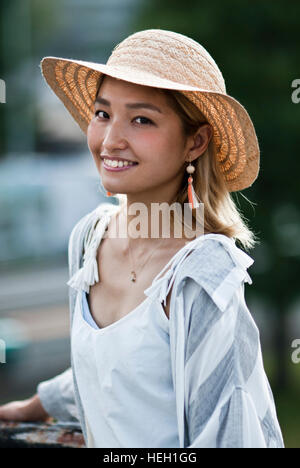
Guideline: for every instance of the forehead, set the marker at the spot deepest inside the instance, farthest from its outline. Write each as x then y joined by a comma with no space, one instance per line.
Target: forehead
113,88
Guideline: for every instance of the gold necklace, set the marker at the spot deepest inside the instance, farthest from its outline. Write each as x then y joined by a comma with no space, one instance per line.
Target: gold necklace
133,273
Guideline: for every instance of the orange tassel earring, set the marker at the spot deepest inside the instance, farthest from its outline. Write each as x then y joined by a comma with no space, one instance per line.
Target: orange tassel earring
194,201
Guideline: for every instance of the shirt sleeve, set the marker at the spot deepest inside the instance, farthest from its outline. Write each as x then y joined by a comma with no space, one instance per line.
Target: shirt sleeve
57,397
228,399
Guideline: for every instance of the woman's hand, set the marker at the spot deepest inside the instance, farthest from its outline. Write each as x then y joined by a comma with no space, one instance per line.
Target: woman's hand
24,410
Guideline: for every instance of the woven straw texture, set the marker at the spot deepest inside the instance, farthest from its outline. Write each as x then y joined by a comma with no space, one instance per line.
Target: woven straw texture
170,60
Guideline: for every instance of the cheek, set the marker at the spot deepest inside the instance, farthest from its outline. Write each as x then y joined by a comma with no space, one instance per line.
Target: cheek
170,148
93,142
152,144
93,138
144,140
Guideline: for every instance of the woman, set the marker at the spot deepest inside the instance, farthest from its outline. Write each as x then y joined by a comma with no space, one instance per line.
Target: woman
183,366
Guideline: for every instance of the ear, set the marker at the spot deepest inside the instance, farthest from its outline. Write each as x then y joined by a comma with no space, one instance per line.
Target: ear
198,142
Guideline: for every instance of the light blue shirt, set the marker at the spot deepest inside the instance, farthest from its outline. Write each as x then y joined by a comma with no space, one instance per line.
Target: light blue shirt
86,312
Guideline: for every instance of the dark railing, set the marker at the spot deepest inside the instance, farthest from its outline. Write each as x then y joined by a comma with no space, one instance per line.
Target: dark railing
40,435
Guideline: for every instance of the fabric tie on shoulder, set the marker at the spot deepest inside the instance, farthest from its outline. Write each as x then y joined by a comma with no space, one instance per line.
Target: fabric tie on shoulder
209,265
160,287
88,274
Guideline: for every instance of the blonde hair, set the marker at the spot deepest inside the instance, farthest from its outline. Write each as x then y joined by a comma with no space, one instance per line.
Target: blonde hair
221,215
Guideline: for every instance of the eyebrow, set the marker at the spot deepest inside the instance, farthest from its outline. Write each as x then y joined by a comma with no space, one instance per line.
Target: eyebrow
134,105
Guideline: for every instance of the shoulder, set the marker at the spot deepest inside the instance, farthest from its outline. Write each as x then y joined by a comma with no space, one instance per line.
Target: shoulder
218,266
87,221
84,227
211,283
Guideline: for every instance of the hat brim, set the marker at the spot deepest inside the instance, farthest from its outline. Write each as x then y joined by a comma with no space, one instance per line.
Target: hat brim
75,82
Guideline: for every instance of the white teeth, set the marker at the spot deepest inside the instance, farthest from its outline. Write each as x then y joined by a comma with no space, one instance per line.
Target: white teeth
116,163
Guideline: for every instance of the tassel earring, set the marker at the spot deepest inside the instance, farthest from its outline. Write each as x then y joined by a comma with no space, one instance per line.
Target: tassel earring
194,201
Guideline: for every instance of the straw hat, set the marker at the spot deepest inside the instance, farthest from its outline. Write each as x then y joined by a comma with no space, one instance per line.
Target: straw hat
166,59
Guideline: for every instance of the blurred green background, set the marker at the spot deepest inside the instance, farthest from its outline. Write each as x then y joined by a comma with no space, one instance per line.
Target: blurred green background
256,45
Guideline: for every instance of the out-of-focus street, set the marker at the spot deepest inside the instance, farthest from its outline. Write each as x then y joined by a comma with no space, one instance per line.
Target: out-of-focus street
38,301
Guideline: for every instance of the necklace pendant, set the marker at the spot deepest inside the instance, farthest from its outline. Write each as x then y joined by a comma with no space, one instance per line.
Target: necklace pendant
133,276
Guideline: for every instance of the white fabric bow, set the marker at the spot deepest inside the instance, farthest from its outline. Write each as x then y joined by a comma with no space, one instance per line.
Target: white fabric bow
88,274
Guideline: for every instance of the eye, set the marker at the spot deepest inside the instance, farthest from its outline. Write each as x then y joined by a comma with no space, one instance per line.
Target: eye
97,112
148,121
145,118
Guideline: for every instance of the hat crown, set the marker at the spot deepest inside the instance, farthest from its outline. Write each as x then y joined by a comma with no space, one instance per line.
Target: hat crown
169,55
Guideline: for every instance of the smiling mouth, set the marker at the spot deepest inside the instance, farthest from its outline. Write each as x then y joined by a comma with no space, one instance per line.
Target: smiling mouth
115,165
118,163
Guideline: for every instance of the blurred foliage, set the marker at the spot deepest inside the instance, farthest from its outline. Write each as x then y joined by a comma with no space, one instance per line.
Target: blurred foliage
286,400
26,26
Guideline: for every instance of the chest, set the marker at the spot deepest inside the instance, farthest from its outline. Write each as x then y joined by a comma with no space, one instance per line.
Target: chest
119,370
115,295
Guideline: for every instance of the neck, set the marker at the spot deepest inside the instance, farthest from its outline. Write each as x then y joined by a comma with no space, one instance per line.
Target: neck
149,221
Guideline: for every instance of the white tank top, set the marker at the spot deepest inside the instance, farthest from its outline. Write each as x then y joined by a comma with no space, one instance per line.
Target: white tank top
124,377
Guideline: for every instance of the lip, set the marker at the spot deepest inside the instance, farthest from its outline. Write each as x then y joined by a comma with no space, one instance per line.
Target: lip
117,169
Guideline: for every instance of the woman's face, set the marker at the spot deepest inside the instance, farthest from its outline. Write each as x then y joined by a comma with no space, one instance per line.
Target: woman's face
122,127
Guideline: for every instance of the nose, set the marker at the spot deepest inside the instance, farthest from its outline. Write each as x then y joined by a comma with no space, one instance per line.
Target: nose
114,137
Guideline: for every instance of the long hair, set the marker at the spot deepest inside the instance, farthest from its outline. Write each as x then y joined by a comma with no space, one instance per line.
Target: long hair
221,215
